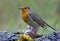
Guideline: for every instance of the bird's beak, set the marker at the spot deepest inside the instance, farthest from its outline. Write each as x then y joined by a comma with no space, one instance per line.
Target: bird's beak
19,8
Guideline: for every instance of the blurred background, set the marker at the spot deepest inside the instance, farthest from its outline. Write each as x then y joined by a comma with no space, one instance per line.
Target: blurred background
10,17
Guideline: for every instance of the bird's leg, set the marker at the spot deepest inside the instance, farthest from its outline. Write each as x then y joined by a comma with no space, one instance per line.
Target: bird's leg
31,31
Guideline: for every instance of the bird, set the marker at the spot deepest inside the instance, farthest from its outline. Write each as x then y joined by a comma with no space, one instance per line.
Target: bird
33,19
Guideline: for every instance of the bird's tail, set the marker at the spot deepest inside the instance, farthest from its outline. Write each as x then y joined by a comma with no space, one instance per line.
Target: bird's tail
51,27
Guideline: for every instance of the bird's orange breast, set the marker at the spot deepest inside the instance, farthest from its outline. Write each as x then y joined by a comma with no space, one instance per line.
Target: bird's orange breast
25,18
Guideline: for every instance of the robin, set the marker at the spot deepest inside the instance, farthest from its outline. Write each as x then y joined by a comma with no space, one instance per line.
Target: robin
32,18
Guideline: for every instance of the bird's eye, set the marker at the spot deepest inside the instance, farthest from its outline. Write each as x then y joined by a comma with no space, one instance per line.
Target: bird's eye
25,8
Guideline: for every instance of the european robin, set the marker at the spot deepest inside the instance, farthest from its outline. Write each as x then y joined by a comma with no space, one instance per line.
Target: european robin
32,19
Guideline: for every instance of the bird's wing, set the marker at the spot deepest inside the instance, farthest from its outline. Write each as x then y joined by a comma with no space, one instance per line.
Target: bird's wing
37,19
31,21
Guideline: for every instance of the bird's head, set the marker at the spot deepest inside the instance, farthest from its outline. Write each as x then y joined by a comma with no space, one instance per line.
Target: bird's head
24,9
